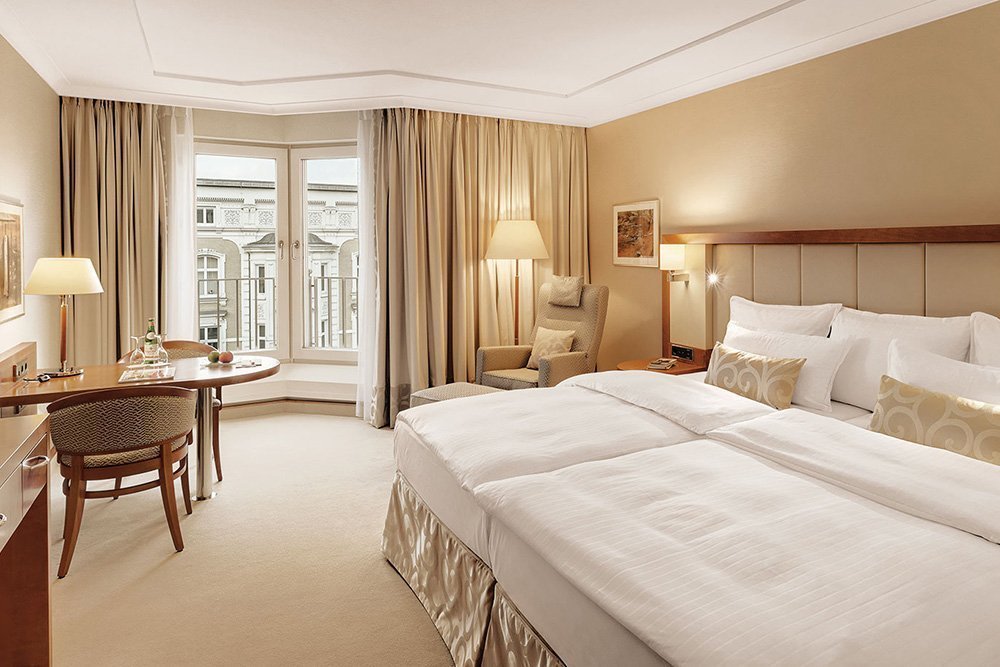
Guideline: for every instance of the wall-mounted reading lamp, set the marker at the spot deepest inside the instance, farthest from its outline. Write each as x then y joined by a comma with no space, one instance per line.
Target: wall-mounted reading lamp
672,261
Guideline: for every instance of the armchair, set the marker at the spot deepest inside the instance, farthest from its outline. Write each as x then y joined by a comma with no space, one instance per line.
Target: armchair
505,366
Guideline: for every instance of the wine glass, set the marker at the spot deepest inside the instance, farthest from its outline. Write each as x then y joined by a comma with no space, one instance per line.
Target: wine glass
137,357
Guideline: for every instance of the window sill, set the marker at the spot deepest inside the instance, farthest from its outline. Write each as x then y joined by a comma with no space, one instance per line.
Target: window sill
302,381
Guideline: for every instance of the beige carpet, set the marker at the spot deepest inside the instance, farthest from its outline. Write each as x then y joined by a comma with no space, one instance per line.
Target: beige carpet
282,567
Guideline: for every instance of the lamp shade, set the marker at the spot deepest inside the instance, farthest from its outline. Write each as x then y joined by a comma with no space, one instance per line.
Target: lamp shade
671,257
516,239
63,275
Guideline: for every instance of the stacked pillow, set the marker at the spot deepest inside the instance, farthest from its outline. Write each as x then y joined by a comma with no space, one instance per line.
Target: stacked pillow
869,335
792,338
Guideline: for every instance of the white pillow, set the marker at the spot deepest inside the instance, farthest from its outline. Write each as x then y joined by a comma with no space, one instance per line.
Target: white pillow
823,357
985,349
927,370
805,320
858,379
549,342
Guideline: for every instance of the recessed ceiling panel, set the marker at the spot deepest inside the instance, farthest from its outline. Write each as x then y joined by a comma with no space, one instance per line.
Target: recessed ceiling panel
579,62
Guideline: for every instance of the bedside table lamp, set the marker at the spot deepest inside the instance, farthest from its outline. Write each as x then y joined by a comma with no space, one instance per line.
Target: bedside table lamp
517,240
63,277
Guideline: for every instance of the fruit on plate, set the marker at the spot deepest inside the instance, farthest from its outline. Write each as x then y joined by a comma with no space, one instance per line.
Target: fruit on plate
213,356
226,357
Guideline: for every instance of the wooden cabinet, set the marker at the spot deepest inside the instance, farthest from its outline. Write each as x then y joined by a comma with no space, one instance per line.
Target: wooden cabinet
25,622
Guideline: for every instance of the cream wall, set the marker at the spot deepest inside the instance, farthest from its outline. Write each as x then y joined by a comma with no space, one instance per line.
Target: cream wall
333,127
29,172
901,131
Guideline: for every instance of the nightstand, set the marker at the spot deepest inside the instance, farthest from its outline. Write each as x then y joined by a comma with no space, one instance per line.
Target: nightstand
682,367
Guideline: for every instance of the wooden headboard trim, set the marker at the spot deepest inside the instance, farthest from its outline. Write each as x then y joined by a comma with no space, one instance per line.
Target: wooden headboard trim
957,234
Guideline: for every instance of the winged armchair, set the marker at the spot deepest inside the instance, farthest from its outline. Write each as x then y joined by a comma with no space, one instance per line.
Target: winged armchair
506,366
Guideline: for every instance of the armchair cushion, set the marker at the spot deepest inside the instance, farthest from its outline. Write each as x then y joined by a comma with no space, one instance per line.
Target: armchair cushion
554,369
500,357
511,378
549,342
566,291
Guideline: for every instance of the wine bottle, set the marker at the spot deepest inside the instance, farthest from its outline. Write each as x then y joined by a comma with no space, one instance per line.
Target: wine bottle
149,344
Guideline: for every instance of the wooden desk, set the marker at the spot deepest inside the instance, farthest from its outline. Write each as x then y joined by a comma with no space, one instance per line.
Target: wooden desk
25,627
189,373
682,367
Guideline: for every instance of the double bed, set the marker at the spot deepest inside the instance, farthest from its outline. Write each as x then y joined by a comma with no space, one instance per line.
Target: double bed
645,519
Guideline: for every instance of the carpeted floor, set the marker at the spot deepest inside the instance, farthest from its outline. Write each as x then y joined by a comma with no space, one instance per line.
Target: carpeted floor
282,567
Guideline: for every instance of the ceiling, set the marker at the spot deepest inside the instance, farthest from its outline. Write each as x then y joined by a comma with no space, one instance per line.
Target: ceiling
578,62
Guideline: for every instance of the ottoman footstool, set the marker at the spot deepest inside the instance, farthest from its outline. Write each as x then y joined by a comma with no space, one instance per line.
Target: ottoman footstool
449,391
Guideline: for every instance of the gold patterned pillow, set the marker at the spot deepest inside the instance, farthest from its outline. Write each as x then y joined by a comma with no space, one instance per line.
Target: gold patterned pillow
961,425
766,380
549,342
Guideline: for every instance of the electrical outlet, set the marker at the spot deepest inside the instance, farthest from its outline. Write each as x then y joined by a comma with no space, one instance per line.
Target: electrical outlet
681,352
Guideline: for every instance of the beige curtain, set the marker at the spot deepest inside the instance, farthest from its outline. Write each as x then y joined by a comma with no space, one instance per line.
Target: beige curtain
114,212
440,183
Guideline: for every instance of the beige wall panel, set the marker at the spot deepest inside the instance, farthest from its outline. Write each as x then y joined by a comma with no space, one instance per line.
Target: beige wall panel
963,278
830,274
899,131
891,278
29,172
777,274
734,265
690,312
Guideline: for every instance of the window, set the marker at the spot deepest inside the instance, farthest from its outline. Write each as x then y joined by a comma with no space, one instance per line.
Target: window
208,276
206,215
282,224
209,335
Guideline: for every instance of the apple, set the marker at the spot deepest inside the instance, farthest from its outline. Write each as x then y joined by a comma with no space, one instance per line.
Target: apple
213,356
226,357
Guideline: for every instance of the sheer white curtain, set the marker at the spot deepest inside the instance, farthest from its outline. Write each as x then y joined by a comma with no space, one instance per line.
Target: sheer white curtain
180,312
368,329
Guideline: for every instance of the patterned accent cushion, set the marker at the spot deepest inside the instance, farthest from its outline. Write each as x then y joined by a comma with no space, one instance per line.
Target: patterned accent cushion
566,290
549,342
766,380
960,425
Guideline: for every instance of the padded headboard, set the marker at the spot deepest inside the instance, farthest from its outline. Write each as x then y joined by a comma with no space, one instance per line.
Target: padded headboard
938,271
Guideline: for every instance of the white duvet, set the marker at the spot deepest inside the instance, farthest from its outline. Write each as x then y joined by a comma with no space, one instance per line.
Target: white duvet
485,438
805,541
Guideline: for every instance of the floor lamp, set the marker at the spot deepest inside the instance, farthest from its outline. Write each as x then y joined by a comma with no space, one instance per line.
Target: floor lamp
516,240
63,277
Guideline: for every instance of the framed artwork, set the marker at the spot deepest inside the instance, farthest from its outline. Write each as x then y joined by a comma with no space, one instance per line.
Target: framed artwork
637,234
11,261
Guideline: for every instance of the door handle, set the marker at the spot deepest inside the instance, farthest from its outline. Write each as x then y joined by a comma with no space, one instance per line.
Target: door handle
295,246
281,249
35,462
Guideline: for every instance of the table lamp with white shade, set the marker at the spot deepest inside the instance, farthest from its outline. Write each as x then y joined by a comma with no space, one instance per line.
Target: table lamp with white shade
63,277
517,240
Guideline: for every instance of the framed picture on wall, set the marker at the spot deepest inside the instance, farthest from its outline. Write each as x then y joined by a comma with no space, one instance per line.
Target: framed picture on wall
11,253
637,233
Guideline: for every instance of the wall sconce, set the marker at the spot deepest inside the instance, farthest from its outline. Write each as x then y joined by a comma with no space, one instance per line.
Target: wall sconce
672,261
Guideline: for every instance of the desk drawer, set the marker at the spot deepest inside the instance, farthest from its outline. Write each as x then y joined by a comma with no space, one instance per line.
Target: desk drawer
34,472
11,507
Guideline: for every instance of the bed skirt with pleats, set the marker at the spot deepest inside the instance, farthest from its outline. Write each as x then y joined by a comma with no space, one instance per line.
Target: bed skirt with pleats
479,624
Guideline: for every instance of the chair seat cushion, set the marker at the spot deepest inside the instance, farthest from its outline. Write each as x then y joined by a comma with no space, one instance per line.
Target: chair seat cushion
121,458
511,378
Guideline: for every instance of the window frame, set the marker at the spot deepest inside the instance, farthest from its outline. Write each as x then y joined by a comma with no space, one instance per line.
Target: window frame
282,273
299,269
